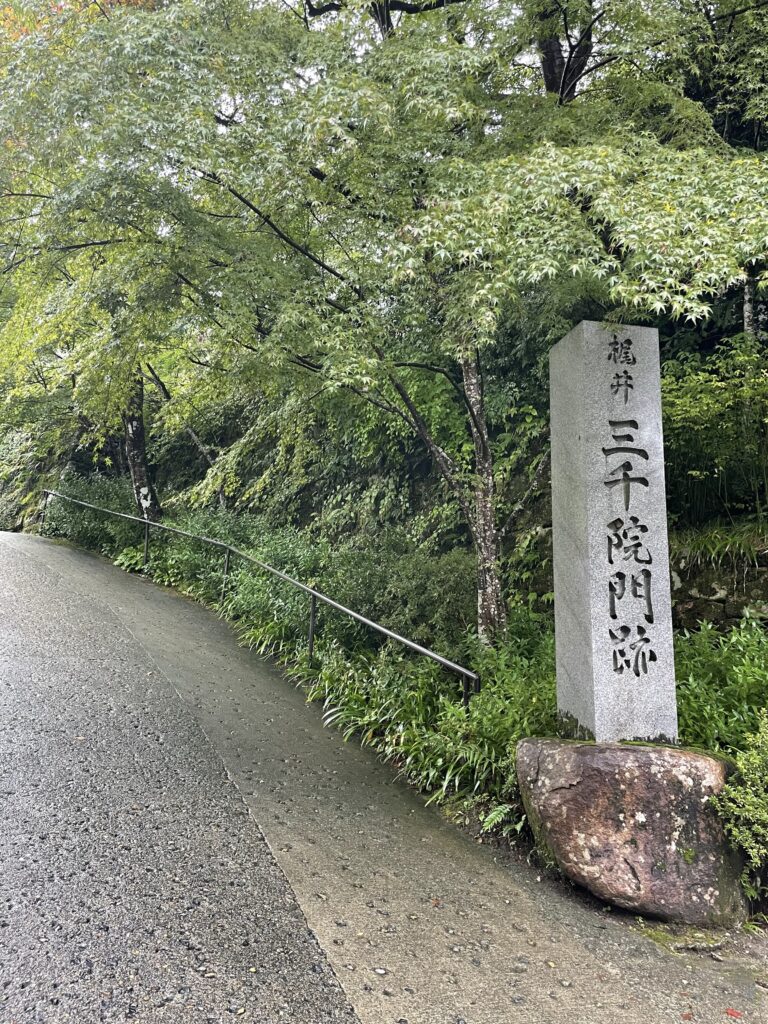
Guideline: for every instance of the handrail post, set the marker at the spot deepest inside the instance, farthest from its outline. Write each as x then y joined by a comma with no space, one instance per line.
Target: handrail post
312,625
227,552
46,495
146,542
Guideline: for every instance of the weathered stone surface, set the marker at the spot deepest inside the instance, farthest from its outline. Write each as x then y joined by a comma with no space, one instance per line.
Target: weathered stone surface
633,824
691,613
734,609
720,594
613,614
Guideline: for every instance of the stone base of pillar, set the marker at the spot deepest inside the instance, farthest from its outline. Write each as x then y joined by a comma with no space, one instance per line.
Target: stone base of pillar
634,824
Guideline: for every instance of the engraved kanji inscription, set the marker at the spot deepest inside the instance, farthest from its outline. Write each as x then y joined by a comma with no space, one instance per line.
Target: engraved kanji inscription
626,538
638,585
622,432
632,650
620,351
622,382
626,480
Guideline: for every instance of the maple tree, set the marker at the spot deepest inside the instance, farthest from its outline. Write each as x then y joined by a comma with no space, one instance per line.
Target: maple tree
359,207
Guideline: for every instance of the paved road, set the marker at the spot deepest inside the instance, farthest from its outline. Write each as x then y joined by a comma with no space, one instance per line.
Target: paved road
183,841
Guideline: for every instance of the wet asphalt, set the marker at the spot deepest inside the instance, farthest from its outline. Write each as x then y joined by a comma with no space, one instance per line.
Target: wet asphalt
182,840
135,883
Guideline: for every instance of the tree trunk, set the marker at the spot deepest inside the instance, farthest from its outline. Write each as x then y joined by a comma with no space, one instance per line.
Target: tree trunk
191,434
491,611
136,453
383,17
552,63
476,503
564,60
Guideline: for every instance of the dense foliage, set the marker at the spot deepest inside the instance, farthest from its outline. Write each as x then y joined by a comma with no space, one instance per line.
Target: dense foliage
743,805
407,709
289,273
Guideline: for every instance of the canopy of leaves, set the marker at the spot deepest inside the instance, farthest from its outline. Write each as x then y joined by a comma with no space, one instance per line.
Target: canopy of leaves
293,217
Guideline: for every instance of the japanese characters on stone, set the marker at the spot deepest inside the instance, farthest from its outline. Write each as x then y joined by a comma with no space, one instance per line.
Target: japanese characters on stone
629,559
613,609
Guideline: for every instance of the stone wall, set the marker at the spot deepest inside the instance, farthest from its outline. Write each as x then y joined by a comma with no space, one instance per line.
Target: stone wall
701,591
719,595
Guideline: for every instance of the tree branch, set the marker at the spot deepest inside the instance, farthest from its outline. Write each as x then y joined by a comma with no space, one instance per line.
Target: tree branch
445,464
307,364
24,195
573,80
747,9
423,8
191,433
277,230
382,404
316,11
578,54
75,246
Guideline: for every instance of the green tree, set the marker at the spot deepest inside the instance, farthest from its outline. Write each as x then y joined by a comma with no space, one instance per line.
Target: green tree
352,198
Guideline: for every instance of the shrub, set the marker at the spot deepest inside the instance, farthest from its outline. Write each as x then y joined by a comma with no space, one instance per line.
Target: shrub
427,597
411,713
18,464
743,805
715,416
91,529
722,685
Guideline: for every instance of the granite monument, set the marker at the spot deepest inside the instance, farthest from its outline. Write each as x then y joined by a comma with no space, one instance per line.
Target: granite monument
613,618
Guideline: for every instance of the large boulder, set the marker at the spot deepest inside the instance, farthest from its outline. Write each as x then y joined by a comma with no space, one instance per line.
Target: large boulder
634,824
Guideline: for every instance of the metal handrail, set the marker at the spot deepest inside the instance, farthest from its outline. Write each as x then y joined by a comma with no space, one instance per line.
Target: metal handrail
470,679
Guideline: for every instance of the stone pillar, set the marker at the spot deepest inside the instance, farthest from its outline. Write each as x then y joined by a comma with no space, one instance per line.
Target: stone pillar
613,614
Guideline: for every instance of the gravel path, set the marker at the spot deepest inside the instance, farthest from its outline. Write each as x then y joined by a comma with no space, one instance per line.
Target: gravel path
140,747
